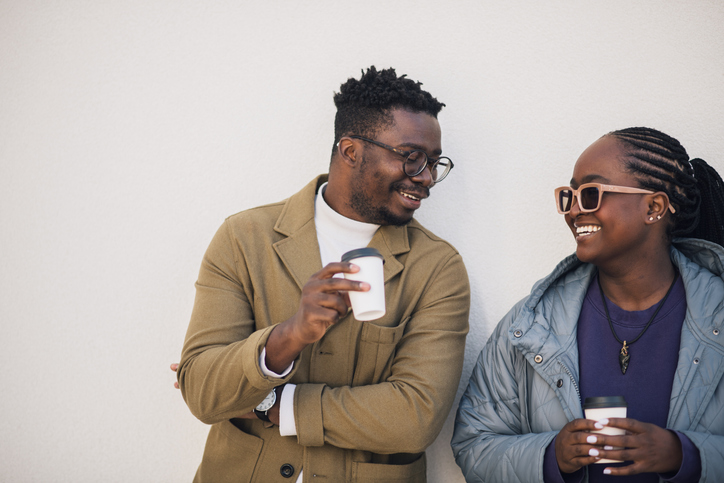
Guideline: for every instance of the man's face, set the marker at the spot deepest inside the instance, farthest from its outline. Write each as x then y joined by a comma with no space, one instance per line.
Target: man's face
382,193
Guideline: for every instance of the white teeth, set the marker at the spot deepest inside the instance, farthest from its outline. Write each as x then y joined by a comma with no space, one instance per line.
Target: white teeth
409,196
587,229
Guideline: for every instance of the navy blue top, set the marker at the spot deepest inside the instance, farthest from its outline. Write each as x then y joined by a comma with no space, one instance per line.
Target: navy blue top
647,382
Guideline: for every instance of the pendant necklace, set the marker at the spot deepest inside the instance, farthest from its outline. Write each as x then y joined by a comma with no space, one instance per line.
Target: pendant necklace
624,357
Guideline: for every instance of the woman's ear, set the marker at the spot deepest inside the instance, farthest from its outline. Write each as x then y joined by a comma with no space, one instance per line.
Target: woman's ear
658,205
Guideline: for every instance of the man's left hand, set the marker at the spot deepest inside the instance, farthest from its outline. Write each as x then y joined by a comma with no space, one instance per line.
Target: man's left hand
174,368
273,413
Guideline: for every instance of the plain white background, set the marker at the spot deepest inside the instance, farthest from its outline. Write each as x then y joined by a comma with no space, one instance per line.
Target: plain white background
130,129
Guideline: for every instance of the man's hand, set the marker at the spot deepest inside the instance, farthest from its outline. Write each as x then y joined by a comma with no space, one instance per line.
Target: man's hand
574,449
324,301
174,368
273,413
652,448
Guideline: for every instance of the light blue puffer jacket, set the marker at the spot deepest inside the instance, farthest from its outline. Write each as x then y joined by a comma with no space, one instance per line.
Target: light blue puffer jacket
524,387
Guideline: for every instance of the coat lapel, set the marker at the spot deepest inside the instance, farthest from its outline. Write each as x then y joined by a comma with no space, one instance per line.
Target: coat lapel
391,241
299,251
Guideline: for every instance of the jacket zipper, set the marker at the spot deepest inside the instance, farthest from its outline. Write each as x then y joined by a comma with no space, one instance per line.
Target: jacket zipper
575,384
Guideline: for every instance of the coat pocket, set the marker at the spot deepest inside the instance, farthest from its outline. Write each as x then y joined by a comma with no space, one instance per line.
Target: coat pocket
230,455
376,352
415,472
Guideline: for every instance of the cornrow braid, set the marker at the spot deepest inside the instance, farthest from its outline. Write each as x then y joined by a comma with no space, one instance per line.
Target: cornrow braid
711,212
694,188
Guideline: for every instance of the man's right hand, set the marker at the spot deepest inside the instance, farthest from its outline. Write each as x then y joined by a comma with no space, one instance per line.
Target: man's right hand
324,301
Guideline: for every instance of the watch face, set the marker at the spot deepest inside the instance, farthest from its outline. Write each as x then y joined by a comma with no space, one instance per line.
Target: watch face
268,402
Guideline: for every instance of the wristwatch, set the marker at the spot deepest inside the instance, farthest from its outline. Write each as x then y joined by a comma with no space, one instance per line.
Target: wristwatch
263,408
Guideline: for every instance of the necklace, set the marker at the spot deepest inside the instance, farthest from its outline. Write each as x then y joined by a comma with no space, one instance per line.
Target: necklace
624,357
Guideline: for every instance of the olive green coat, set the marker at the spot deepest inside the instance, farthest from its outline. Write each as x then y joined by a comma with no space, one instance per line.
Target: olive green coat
370,396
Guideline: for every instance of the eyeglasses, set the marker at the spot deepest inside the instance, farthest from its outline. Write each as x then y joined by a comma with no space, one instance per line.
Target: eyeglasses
416,161
589,196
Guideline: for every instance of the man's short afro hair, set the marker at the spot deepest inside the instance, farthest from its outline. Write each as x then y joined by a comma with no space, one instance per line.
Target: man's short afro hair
364,105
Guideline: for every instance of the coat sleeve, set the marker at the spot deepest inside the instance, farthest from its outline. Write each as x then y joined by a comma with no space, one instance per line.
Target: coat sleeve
219,373
405,412
711,453
489,441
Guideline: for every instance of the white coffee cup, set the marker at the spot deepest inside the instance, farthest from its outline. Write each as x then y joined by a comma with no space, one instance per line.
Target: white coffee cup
368,305
597,408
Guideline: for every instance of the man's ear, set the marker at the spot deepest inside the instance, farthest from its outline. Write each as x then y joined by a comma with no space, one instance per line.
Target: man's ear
349,151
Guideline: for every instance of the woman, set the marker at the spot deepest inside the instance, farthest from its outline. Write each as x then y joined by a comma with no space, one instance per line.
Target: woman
638,312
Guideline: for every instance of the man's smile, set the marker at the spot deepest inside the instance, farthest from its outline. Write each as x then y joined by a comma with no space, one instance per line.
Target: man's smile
407,195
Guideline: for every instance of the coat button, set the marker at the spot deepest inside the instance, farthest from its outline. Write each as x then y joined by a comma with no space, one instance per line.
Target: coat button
559,383
538,358
518,333
286,470
716,331
696,361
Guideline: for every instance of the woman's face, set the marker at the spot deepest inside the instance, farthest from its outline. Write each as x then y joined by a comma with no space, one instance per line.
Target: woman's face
616,232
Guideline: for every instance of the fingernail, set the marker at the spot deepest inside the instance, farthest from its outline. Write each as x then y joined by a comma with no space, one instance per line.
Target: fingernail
604,421
591,439
608,448
598,425
593,452
607,471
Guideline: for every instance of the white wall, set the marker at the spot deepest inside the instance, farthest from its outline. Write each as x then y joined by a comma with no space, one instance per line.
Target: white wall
130,130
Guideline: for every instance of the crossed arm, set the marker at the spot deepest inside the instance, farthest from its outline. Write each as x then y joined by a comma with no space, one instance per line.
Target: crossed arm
220,378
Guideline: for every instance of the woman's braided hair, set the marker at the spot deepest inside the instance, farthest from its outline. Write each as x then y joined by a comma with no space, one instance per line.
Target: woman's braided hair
694,188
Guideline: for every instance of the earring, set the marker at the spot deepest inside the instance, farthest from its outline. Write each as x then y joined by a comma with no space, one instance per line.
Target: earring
651,218
658,217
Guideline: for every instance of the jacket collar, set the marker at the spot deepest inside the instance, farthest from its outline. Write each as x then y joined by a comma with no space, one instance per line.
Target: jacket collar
300,249
701,355
546,325
571,275
701,264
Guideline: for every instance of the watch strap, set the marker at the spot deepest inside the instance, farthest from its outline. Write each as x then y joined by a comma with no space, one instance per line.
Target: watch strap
262,415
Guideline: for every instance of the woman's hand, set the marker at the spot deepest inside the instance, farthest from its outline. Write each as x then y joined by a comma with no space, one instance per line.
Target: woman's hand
652,449
576,447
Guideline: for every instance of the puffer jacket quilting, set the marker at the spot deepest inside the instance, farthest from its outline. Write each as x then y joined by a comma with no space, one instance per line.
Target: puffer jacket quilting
513,407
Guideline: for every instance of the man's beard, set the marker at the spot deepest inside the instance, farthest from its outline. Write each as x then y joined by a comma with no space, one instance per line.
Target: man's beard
379,215
362,204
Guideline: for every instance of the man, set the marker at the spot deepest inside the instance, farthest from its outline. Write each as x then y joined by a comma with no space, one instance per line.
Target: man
293,385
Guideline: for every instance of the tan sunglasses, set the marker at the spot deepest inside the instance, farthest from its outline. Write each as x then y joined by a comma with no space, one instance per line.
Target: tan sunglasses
589,196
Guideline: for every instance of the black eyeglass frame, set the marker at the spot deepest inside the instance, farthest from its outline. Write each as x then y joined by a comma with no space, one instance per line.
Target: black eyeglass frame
407,154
